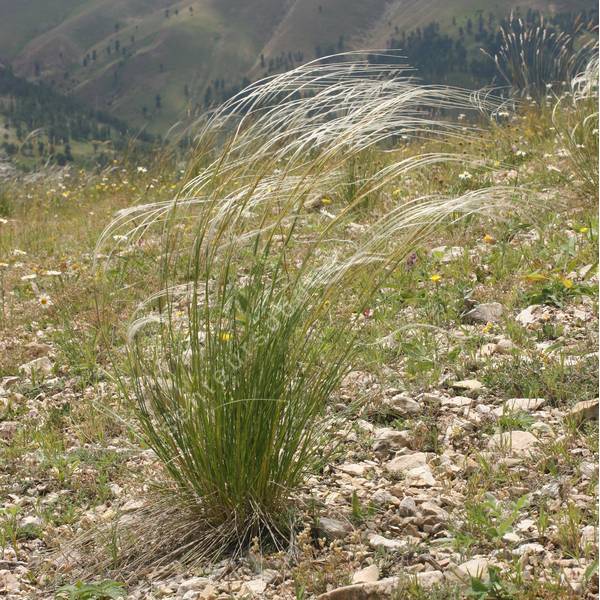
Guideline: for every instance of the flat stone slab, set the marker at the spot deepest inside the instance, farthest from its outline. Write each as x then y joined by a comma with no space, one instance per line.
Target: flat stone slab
402,464
471,385
420,477
485,313
364,591
519,443
584,411
520,404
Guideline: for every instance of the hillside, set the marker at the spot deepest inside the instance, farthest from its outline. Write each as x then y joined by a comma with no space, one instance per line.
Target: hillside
41,125
150,61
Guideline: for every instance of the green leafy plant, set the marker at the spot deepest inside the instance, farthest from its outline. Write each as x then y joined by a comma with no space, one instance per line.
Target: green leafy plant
361,512
557,291
493,588
512,420
103,590
490,519
9,527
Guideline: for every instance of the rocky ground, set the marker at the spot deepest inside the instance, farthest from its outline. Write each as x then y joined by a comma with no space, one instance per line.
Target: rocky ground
465,460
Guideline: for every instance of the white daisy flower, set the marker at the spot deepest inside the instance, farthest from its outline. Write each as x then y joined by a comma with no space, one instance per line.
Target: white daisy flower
45,300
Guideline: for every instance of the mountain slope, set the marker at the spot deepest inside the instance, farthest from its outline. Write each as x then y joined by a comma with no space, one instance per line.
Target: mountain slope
147,61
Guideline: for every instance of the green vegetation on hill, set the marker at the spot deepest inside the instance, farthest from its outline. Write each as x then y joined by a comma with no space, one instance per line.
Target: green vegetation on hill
461,52
39,124
154,62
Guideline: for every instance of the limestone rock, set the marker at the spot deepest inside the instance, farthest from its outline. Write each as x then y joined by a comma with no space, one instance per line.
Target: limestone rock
540,428
575,577
530,548
8,429
420,477
369,574
527,316
31,521
389,440
433,510
402,406
355,469
333,529
408,507
255,587
488,350
402,464
550,490
192,584
446,254
208,593
584,411
378,590
378,541
384,497
589,536
588,469
485,313
41,365
471,385
476,567
37,349
519,443
519,404
430,578
505,346
9,584
457,402
525,403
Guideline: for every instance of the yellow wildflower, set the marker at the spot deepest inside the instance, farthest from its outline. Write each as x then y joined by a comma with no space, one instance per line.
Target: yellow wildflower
488,327
488,239
583,229
568,283
225,336
326,200
436,278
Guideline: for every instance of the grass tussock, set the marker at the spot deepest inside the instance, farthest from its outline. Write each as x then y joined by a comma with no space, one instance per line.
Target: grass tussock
254,324
233,379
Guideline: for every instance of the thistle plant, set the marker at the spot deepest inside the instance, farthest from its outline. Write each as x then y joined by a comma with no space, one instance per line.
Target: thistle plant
236,356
